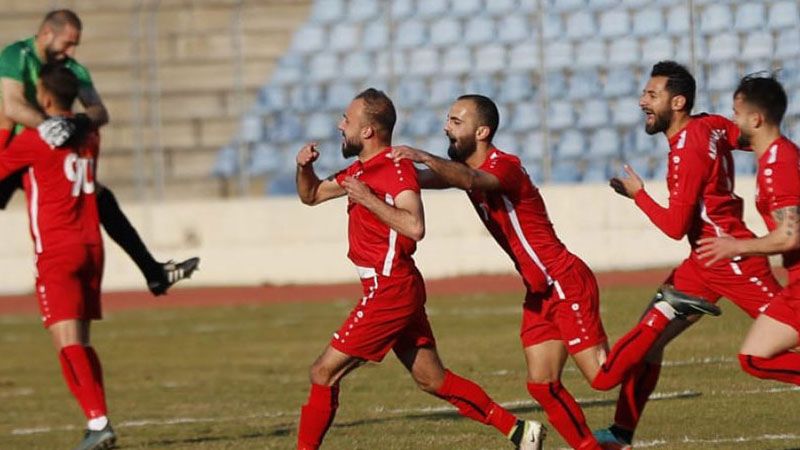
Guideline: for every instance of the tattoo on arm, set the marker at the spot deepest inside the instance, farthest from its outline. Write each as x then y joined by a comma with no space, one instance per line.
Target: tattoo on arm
789,217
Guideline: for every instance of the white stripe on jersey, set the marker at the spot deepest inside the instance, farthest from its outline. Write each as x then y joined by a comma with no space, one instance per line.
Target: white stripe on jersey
512,215
704,215
773,154
387,262
34,211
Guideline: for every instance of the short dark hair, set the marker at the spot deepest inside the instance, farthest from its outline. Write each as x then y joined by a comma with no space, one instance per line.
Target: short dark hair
379,111
766,93
679,80
61,82
58,18
488,114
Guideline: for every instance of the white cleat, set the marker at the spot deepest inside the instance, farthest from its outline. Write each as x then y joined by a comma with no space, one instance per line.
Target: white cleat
533,436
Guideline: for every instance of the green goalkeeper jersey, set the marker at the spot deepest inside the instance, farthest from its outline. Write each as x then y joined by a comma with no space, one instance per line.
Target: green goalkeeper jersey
20,62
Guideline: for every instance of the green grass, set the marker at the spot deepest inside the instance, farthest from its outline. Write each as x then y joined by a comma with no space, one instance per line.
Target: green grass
235,377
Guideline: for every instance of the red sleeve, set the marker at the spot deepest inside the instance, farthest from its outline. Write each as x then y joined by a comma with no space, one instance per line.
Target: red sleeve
506,171
404,179
785,183
692,169
5,135
19,153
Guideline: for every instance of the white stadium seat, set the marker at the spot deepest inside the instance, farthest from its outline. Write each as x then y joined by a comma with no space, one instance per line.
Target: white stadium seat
615,22
750,16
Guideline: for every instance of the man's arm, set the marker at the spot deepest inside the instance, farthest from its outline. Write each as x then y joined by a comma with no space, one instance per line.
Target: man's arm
450,173
17,155
17,107
93,105
428,179
784,238
406,216
311,190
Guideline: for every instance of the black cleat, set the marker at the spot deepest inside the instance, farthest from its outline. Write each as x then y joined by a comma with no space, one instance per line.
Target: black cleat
685,304
98,440
171,273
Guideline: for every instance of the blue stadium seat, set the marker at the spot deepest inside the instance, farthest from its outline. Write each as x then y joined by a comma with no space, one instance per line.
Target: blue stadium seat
659,169
271,98
615,22
750,16
560,115
757,45
526,116
423,122
323,66
647,22
626,112
720,47
265,158
620,81
594,113
532,146
306,97
556,85
291,67
657,48
744,163
327,11
683,49
624,51
339,95
457,60
411,92
595,172
376,35
516,87
251,128
446,31
723,103
362,10
605,143
423,61
514,28
580,24
524,56
402,9
715,18
286,128
789,73
640,164
501,8
794,131
590,53
678,20
793,109
410,34
281,184
506,142
444,90
429,9
534,170
320,126
650,144
784,14
787,44
309,38
565,172
436,143
723,77
343,37
465,8
481,84
227,163
490,58
583,84
634,4
564,5
357,65
558,55
571,144
479,30
553,27
602,5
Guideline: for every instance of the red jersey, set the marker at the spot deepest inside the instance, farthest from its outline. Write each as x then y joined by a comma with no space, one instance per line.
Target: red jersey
373,244
517,218
59,187
700,182
778,186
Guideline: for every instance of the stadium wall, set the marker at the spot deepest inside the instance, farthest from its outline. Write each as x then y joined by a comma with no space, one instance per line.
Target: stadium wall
280,241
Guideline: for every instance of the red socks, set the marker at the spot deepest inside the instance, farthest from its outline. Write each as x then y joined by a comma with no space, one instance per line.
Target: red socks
564,414
473,402
630,350
783,367
83,374
633,396
316,416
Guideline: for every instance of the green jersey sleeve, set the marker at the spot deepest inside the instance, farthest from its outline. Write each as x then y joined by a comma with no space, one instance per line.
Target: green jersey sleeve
12,62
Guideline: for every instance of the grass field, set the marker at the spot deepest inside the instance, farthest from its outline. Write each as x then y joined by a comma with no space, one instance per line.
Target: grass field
235,377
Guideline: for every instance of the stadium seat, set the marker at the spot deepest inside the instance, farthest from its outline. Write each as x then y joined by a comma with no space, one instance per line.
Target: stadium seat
590,53
532,146
375,35
445,32
281,184
306,97
363,10
564,5
595,172
357,65
789,73
560,115
683,48
647,22
715,18
744,163
387,62
583,84
640,164
787,44
526,116
723,103
516,87
658,48
411,92
659,169
615,22
553,27
624,51
605,143
479,30
723,77
571,144
502,8
793,109
556,85
465,8
602,5
436,143
402,9
457,60
535,171
650,144
678,20
750,16
506,142
594,113
344,37
323,66
327,11
320,126
430,9
339,95
423,122
620,81
410,34
271,99
580,24
265,158
565,172
784,14
444,90
251,128
635,4
720,47
287,127
558,55
423,61
227,163
309,38
524,56
757,45
481,84
515,28
490,58
626,112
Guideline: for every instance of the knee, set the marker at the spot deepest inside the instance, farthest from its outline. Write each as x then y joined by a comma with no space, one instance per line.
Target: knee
320,374
430,383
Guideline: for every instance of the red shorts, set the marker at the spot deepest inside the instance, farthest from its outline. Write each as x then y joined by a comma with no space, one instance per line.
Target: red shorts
568,311
748,283
391,315
68,283
785,307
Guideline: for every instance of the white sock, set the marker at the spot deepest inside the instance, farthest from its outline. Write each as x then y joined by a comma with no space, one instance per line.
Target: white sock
666,309
98,423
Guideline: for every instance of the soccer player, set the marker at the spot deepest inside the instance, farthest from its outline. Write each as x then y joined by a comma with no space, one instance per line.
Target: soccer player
702,204
64,225
57,39
759,104
385,222
561,311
